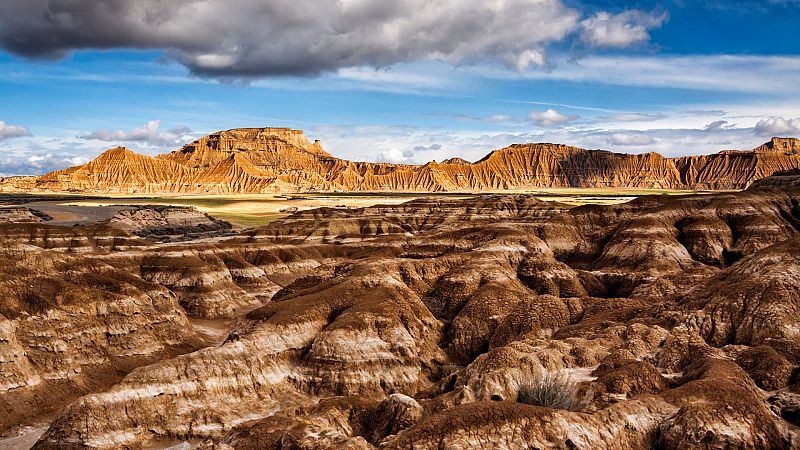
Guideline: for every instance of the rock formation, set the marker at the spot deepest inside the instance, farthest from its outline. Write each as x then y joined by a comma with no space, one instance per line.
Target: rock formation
423,325
164,223
256,160
21,214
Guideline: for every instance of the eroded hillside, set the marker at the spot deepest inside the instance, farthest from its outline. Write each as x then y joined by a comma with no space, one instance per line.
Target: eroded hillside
270,160
668,322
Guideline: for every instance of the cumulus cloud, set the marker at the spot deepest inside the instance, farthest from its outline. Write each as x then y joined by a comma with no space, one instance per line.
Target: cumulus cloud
148,134
550,117
8,131
251,38
718,125
630,139
777,126
392,155
27,161
620,30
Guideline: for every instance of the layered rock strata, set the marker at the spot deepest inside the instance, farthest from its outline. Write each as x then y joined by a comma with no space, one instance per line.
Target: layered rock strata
667,317
269,160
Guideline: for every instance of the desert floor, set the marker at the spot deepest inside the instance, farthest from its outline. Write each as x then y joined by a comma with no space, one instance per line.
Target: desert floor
252,210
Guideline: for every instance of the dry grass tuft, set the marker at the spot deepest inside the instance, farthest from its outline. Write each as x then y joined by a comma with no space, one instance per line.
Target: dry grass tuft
553,390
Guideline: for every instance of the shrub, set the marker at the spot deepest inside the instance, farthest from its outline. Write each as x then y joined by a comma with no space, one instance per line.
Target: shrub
553,390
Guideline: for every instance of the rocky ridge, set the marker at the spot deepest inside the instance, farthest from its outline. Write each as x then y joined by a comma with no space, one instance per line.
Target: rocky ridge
269,160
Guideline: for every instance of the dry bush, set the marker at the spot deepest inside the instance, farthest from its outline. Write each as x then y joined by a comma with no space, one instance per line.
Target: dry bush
553,390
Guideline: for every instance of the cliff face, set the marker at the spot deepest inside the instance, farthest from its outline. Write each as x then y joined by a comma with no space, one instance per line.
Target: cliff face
256,160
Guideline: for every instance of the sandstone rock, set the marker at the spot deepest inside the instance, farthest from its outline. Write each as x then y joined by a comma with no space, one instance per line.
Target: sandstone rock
260,160
68,326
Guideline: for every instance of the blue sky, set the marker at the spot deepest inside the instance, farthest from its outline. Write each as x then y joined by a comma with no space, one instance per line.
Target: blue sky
413,81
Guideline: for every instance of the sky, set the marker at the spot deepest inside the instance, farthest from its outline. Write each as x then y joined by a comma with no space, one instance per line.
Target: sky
395,81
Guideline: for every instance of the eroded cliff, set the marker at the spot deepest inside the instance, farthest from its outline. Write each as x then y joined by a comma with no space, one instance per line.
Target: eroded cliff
268,160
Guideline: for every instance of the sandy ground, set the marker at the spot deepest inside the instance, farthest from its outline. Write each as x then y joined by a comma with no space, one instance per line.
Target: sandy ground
244,211
252,210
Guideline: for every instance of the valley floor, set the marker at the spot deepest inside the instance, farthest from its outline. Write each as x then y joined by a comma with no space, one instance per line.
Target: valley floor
249,210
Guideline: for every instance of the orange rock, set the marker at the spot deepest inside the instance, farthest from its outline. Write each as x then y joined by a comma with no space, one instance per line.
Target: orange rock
266,160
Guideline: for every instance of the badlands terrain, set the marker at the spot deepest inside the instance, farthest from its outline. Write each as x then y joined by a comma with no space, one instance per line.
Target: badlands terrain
280,160
493,320
489,321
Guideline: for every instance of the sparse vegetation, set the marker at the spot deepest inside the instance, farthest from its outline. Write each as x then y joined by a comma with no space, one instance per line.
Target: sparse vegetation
554,390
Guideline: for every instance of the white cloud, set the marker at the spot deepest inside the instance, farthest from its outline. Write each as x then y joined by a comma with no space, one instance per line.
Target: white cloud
246,38
423,148
629,139
148,134
779,75
718,125
550,117
392,155
778,126
498,118
48,160
8,131
39,155
620,30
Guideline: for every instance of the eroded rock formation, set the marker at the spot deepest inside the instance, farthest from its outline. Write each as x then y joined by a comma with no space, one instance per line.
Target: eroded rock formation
672,321
266,160
164,223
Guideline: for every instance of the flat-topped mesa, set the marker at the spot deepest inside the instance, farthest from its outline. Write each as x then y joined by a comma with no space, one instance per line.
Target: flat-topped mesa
789,146
212,149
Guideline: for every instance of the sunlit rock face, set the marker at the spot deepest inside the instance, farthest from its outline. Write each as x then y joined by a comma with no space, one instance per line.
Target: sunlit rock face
665,322
274,160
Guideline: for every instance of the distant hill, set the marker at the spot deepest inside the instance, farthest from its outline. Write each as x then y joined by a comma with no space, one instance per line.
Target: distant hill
276,160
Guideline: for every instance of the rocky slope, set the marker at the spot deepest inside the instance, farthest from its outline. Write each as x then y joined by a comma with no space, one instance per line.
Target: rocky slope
70,325
671,322
21,214
165,223
256,160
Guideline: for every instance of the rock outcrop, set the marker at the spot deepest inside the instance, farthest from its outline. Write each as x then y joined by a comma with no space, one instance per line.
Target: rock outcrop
266,160
70,325
21,214
165,223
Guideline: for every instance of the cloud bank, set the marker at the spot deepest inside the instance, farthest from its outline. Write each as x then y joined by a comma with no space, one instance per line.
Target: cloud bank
778,126
147,134
248,38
